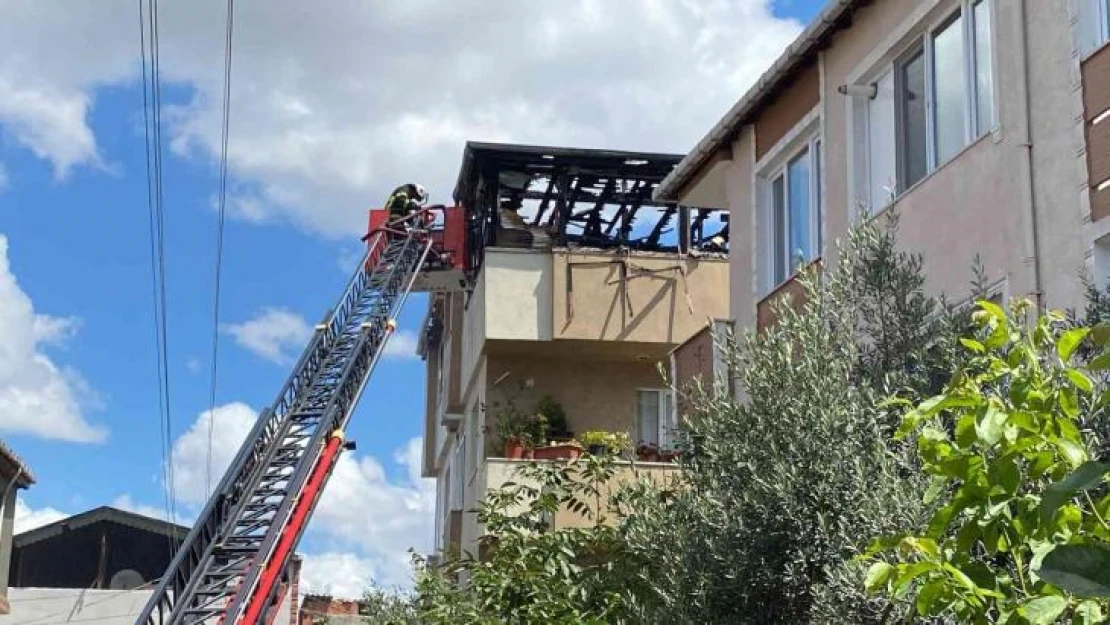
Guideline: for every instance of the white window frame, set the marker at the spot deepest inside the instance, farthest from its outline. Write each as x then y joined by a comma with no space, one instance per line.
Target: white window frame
1102,10
917,33
779,167
973,126
666,419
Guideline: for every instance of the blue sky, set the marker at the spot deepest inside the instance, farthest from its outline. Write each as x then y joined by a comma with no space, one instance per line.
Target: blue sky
307,157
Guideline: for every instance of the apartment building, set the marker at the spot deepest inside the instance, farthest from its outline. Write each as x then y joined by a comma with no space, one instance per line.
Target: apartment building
983,123
578,286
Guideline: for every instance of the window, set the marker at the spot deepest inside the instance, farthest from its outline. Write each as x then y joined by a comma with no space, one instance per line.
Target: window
794,207
936,99
1092,25
655,418
474,441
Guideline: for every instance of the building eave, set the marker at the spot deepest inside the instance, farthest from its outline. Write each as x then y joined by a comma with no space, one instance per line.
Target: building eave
804,47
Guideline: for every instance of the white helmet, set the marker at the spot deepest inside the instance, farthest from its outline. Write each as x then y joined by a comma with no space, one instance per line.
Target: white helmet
421,193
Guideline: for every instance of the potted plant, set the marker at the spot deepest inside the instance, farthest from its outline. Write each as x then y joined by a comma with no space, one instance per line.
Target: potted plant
555,418
513,430
599,442
568,450
647,452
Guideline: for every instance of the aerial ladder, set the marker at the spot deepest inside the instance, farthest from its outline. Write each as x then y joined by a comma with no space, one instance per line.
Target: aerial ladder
228,570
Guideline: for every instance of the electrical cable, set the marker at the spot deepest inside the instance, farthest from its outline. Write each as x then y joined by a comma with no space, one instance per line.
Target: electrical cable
219,243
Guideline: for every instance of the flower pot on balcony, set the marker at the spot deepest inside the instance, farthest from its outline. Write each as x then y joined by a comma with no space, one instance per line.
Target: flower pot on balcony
597,450
558,452
668,456
514,449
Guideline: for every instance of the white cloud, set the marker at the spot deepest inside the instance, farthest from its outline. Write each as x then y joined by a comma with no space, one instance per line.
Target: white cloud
230,426
125,502
401,346
36,395
381,540
272,334
368,521
324,123
342,575
28,519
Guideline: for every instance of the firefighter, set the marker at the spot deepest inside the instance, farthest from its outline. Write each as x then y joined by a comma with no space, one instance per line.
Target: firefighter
405,200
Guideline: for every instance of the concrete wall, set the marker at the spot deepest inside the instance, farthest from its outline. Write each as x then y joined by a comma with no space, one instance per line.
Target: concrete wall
518,295
653,298
979,201
498,471
105,607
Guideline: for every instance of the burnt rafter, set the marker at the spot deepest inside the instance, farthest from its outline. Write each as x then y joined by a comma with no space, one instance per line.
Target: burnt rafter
597,198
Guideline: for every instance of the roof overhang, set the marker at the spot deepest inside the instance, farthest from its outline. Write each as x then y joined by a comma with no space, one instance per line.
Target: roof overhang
836,15
96,515
13,468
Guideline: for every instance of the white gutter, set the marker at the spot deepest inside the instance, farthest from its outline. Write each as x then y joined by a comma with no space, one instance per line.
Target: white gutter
719,136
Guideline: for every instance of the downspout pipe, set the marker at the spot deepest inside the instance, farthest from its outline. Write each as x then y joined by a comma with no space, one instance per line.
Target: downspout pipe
1032,234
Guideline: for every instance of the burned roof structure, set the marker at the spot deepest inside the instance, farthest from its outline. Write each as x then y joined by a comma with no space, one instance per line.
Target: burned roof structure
578,197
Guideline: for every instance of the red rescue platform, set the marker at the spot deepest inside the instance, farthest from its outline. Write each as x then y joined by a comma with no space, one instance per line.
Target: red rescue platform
447,270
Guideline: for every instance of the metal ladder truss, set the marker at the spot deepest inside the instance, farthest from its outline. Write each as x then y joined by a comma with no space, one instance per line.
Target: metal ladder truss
215,575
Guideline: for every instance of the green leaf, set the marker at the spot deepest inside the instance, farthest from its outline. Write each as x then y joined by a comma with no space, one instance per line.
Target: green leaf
1083,570
973,345
1100,362
1100,334
877,576
1089,612
927,598
1044,610
1072,452
1086,477
1081,381
989,428
936,487
994,309
1068,341
1069,403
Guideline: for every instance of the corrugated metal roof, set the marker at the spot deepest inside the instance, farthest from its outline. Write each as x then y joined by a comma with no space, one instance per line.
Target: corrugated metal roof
832,18
103,513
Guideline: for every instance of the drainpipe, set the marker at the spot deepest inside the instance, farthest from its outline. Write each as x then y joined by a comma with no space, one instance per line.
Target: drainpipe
1032,231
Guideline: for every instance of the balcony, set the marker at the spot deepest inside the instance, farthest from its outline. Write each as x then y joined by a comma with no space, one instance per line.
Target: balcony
499,471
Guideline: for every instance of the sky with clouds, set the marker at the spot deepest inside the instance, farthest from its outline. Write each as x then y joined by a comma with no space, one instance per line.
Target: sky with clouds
333,104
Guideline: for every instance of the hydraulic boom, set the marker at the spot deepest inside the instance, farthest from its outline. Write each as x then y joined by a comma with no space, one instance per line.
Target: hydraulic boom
229,568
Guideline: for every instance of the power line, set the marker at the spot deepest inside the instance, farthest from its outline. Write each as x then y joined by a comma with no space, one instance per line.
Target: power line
152,128
219,241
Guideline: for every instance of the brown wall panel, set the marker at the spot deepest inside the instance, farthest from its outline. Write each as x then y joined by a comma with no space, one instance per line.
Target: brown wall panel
787,109
1096,101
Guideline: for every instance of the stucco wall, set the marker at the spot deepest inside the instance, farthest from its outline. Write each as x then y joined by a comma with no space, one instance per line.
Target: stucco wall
659,299
518,295
977,202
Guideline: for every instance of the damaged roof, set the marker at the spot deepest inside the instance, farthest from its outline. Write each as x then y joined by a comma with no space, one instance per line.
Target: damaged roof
12,465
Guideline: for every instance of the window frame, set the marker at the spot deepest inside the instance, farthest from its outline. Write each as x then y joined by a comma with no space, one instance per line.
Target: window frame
808,145
666,417
922,40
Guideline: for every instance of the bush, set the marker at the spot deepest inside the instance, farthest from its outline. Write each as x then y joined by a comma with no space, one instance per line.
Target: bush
1018,536
781,490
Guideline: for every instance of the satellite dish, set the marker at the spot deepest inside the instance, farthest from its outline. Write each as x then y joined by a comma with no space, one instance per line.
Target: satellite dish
127,579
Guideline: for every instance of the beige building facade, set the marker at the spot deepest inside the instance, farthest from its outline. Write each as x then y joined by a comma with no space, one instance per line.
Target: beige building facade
983,123
583,322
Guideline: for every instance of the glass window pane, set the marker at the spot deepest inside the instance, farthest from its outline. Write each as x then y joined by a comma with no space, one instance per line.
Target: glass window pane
950,89
778,231
798,179
911,95
817,158
881,144
647,421
984,72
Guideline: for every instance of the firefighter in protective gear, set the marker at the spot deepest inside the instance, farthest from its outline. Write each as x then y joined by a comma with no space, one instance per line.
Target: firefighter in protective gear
405,199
